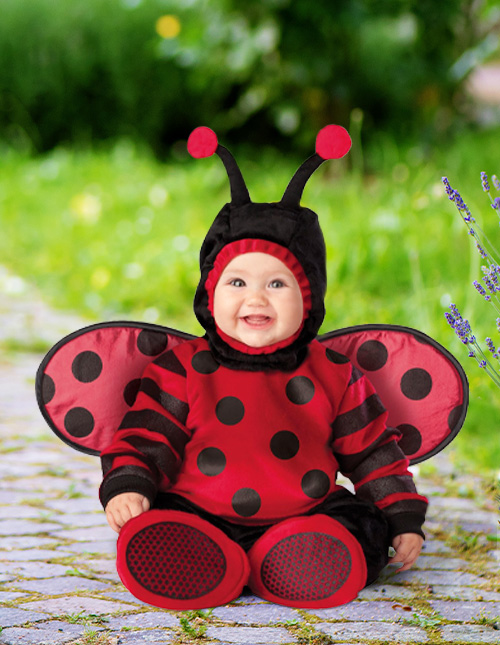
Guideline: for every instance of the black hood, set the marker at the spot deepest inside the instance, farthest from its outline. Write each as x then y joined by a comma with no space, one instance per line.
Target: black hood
285,223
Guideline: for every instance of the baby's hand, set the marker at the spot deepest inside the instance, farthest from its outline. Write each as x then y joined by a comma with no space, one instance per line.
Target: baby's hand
407,547
123,507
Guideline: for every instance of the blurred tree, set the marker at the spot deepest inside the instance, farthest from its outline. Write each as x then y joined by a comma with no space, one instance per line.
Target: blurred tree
270,70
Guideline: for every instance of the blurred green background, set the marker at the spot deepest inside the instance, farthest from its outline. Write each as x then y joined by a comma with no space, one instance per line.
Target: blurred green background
104,211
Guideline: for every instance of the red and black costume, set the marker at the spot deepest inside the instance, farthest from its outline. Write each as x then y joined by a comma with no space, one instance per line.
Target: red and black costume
244,445
238,449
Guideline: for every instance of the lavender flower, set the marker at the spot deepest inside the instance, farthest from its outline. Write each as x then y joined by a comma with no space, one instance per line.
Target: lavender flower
490,345
491,279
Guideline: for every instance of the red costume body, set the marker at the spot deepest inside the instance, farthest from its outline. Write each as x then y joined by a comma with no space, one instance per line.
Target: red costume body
260,447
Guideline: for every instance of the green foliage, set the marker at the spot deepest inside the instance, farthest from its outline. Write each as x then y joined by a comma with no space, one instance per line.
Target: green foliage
114,234
99,69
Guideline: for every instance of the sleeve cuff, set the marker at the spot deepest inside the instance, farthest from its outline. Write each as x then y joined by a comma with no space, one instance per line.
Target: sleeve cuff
126,484
406,523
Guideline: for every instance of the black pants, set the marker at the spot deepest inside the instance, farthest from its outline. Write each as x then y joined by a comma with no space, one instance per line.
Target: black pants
364,520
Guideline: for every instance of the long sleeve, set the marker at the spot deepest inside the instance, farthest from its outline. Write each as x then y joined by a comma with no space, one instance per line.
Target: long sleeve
368,454
148,447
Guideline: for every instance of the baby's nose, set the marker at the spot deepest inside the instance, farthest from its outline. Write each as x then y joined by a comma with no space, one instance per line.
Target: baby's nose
257,298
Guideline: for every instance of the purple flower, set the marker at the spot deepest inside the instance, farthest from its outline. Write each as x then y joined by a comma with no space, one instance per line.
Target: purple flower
490,345
496,204
450,319
482,364
479,288
448,188
482,252
484,181
496,182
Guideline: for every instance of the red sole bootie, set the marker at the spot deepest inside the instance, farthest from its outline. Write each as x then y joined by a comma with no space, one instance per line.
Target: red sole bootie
307,562
178,561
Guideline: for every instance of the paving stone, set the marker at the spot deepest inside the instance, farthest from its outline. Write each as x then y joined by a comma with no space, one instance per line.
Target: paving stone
36,483
146,636
465,593
385,592
445,504
144,620
9,596
14,512
248,598
91,534
76,604
25,527
11,496
79,505
435,546
466,611
12,617
479,527
4,577
100,566
33,554
451,578
436,562
251,635
372,631
100,547
256,614
86,520
35,569
56,586
126,596
469,634
364,611
53,633
25,542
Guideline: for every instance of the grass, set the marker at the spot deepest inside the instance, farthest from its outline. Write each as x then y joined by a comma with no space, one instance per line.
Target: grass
112,233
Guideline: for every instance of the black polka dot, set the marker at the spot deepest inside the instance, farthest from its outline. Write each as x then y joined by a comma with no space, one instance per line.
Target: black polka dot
335,357
416,384
211,461
152,343
372,355
131,390
86,367
246,502
230,410
315,484
411,441
79,422
48,389
454,417
300,390
204,363
285,444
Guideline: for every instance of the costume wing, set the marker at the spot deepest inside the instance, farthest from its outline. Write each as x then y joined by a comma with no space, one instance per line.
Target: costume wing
423,387
88,381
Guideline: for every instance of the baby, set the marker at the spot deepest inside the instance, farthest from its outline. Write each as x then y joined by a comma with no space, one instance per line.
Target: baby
223,473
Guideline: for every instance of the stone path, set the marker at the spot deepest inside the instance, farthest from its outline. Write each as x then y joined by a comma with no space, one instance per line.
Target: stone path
58,582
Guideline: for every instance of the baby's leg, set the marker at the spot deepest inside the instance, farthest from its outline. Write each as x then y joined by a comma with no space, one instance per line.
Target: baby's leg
307,562
179,561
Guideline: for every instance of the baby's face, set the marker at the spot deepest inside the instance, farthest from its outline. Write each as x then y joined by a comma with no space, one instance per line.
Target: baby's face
257,300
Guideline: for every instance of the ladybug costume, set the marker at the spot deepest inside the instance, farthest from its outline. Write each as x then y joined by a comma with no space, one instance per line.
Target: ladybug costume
238,448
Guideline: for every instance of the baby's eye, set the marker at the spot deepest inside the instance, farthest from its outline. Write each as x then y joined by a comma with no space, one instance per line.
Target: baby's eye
237,282
276,284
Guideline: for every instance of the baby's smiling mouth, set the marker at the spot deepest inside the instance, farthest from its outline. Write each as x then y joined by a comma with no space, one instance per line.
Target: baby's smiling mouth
257,320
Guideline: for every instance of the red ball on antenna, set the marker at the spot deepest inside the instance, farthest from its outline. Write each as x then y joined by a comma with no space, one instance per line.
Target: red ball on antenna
202,142
333,142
